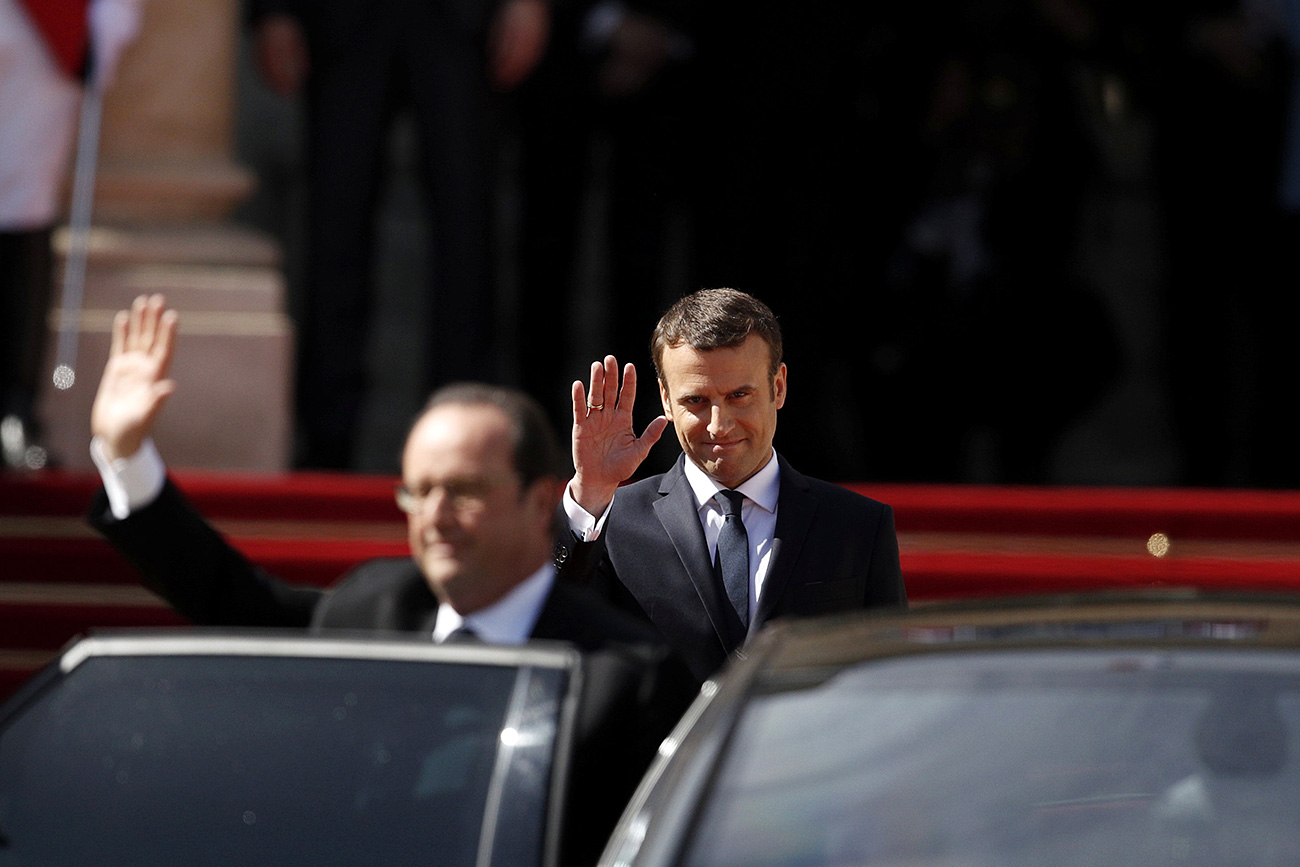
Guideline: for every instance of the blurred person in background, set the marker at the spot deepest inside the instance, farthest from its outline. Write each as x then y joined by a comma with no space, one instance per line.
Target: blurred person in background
50,50
358,63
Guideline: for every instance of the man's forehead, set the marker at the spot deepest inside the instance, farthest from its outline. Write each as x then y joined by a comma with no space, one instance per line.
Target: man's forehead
729,367
460,434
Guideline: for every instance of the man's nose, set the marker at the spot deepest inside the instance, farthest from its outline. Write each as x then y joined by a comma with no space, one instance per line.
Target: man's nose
436,507
719,420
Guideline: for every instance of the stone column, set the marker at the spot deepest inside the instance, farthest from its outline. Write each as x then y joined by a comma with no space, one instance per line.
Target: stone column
165,184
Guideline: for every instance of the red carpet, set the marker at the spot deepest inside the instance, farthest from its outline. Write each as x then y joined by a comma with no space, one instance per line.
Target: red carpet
58,579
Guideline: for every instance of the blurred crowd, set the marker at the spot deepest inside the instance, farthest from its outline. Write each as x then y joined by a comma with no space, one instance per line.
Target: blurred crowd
906,184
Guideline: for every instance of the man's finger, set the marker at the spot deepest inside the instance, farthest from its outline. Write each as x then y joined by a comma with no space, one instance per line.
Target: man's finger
579,395
149,322
118,344
652,433
160,392
596,393
609,396
135,327
166,341
627,395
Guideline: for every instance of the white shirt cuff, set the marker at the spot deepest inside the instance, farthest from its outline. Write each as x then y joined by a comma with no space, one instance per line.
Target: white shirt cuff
132,482
586,525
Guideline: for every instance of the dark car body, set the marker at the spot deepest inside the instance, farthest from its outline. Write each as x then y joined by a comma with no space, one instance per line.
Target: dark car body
229,748
1084,731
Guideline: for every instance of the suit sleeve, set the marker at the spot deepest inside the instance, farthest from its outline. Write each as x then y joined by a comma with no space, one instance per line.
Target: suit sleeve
885,575
587,565
186,561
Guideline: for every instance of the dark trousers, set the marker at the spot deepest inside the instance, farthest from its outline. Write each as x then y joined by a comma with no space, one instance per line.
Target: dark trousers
422,59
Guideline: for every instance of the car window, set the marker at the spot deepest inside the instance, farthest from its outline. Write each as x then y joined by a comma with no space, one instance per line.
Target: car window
278,761
1058,758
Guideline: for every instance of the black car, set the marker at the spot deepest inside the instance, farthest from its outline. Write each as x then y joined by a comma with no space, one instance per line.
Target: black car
1128,731
195,748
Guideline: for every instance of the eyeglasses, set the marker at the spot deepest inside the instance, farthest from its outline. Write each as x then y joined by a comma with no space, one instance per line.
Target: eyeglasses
465,497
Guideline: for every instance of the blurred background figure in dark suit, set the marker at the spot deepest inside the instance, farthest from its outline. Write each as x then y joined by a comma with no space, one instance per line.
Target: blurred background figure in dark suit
357,63
1220,85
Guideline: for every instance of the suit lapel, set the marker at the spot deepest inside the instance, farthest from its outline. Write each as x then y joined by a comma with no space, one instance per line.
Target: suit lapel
679,514
794,516
411,604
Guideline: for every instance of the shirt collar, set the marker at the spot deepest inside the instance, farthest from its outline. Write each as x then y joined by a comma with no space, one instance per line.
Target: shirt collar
764,487
509,620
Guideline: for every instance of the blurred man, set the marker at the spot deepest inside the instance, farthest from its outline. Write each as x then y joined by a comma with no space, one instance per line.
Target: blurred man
482,476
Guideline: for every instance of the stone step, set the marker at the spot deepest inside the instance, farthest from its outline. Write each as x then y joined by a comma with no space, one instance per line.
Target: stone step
234,358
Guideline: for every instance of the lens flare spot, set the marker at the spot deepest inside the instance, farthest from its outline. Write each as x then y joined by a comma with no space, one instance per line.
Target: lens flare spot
1158,545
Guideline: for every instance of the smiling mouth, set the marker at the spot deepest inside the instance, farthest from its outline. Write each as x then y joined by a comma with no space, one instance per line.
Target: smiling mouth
441,547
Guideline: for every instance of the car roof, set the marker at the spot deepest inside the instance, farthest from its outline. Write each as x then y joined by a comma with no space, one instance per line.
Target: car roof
205,641
1170,619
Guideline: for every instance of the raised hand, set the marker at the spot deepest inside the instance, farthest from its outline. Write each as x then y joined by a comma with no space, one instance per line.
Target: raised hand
135,385
606,450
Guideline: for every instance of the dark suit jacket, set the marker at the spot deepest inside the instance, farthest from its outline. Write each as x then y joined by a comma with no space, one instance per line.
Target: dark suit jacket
834,551
633,688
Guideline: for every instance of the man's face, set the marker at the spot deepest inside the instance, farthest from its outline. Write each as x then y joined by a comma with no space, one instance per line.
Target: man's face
723,406
477,532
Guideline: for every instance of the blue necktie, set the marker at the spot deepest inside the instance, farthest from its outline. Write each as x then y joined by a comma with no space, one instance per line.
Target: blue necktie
733,553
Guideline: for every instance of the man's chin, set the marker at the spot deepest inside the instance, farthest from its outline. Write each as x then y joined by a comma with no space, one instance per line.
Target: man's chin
441,573
723,473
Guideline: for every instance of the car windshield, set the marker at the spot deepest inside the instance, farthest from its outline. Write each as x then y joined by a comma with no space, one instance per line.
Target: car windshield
1015,758
275,761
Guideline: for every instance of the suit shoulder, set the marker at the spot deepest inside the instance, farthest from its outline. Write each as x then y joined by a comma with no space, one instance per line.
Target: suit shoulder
843,498
384,594
375,574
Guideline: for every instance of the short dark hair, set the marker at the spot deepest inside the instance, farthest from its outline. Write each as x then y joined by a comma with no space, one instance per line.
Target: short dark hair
536,448
716,319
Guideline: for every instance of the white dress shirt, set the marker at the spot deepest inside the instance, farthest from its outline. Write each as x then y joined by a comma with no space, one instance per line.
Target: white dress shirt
133,482
762,491
509,620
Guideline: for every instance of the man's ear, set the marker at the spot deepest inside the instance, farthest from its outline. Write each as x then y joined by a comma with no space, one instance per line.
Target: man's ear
778,386
663,398
543,497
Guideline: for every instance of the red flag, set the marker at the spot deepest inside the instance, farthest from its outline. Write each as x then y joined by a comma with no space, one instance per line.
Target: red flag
62,23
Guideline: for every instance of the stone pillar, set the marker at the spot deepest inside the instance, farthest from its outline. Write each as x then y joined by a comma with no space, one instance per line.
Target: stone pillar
165,184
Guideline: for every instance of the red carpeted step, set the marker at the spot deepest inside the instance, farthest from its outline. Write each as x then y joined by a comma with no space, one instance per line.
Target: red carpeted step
932,576
48,626
318,562
1138,512
301,496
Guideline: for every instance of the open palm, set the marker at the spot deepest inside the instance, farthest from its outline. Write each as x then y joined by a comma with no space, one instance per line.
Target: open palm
135,384
606,449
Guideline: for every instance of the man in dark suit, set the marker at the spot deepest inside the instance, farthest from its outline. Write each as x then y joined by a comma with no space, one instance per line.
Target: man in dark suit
482,475
671,547
356,64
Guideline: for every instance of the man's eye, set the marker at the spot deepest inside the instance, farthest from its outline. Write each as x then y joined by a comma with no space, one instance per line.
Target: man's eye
467,493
